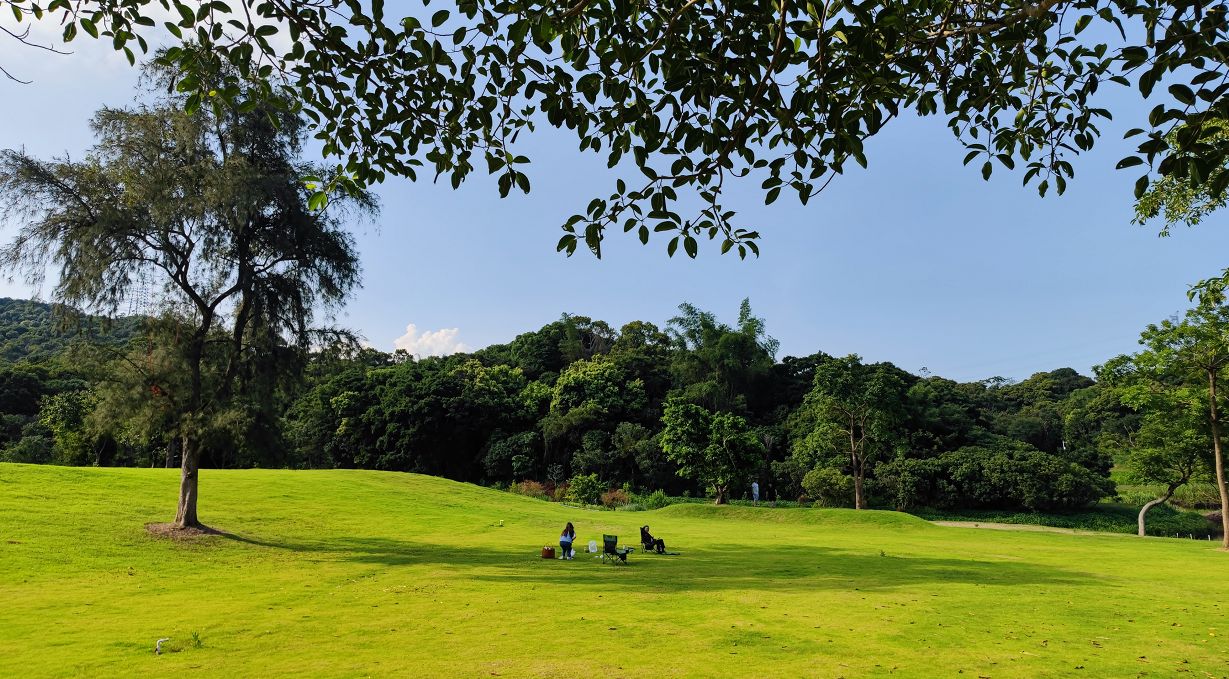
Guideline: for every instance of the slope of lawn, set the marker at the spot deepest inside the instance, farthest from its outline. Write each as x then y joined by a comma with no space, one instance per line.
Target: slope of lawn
350,573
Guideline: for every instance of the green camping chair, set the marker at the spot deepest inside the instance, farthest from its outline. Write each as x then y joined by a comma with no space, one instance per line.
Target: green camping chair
612,552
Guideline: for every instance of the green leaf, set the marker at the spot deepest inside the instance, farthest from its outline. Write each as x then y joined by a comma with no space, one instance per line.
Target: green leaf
1182,93
439,18
1141,186
188,17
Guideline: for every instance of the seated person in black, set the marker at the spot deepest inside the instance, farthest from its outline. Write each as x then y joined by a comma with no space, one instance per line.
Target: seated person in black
650,543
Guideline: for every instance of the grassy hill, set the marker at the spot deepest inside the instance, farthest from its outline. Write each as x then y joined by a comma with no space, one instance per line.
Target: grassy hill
350,573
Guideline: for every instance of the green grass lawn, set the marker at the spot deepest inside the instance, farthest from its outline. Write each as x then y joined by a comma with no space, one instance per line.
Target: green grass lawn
350,573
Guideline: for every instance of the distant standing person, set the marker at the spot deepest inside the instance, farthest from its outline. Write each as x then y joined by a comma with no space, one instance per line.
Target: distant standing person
565,541
755,492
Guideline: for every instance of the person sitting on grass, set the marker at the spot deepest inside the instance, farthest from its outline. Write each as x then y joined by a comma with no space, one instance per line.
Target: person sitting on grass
650,543
565,541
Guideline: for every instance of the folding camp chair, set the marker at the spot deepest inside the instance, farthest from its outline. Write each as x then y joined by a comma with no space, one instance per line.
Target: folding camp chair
650,543
612,552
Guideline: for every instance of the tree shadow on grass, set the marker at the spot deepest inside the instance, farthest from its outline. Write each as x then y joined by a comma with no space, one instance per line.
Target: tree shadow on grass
713,568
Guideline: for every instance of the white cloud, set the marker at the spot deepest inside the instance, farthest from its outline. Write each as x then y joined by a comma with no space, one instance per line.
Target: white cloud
440,342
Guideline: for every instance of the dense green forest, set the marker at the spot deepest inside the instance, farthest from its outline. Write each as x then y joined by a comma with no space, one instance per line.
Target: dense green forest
698,407
32,332
43,393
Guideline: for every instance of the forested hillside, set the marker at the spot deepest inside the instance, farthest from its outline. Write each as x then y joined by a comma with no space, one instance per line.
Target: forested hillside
33,331
697,406
44,387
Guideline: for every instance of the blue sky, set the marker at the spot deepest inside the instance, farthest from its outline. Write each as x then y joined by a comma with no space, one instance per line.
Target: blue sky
915,260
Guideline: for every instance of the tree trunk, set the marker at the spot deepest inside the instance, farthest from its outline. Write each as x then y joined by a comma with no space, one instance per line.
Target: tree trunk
171,444
189,451
721,494
855,463
1169,492
1218,454
1143,512
189,471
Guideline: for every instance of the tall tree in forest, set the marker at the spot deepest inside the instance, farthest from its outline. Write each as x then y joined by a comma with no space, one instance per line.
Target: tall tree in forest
1194,351
1171,446
717,449
206,215
854,410
721,368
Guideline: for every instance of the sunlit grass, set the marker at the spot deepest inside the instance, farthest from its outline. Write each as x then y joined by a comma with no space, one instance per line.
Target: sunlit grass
348,573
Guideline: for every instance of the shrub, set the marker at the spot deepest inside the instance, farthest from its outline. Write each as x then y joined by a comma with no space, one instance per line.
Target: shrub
615,498
1004,475
1198,496
1047,482
1190,496
510,456
910,483
788,475
529,489
655,500
522,465
559,493
585,488
829,487
29,449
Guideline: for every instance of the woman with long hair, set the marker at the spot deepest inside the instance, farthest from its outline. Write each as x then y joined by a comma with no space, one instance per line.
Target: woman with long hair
565,541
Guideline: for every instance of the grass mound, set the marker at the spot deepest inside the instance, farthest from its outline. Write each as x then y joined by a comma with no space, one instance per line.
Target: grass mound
345,573
871,519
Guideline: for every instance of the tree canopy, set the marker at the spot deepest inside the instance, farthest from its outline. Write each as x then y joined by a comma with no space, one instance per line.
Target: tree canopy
202,220
628,407
1180,359
684,97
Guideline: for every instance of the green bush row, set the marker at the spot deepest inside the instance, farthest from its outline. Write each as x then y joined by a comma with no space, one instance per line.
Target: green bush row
1190,496
1163,521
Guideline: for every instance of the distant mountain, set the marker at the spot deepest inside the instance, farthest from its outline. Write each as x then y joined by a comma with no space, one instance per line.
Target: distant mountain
33,331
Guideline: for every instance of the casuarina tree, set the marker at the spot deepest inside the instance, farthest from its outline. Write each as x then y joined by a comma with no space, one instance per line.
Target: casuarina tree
200,217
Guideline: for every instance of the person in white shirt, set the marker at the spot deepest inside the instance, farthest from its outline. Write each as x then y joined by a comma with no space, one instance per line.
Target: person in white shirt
566,538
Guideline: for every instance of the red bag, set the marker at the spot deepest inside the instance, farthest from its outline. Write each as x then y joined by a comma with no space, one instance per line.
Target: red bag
548,552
